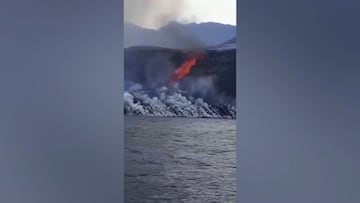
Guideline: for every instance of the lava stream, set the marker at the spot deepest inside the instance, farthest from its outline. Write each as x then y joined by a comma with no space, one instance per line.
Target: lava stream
184,69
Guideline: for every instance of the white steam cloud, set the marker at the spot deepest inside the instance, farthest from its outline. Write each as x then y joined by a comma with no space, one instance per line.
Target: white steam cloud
170,103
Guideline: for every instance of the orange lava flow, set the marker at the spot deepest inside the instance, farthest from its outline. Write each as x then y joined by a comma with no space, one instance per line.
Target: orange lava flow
184,69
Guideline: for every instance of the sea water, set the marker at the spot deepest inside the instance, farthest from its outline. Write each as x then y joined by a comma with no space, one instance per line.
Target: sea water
172,159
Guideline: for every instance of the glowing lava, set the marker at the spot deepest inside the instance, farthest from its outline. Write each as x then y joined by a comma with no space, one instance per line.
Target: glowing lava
184,69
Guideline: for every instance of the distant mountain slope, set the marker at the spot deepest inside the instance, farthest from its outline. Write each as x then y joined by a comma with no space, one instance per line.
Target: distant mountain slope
176,35
229,44
231,41
212,33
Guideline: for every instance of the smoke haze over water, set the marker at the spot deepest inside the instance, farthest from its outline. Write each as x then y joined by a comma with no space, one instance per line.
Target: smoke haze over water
165,102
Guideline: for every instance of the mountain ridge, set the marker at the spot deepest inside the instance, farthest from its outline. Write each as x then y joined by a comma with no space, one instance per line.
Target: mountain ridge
178,35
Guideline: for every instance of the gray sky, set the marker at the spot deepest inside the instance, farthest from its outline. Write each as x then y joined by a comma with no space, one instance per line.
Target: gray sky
155,13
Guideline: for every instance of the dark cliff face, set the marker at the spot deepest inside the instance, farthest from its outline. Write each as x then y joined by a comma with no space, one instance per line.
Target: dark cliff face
151,65
220,66
212,78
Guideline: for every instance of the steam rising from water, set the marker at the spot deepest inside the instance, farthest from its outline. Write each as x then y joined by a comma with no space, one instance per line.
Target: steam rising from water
167,102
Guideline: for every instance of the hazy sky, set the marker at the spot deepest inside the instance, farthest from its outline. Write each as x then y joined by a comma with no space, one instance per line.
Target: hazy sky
155,13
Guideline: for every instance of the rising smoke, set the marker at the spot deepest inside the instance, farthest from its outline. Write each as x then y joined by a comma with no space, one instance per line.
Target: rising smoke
154,13
154,83
163,16
166,102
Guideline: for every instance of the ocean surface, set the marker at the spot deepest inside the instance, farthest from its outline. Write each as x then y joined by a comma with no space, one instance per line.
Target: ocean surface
172,159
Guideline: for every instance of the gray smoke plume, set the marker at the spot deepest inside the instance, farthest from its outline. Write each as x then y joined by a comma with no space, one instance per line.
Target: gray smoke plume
153,13
163,20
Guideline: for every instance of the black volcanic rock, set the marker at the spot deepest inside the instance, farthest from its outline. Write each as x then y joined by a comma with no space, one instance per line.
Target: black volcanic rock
152,66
